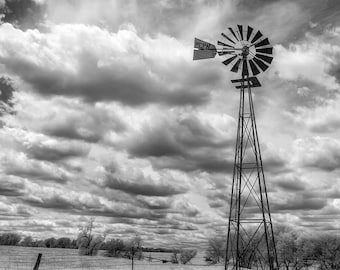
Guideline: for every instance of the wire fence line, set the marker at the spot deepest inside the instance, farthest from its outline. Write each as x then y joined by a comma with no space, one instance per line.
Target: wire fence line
21,258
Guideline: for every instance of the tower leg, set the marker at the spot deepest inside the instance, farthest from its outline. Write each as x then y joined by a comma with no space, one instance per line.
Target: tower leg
250,237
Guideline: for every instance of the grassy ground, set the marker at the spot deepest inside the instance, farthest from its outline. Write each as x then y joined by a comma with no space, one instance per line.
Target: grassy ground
23,258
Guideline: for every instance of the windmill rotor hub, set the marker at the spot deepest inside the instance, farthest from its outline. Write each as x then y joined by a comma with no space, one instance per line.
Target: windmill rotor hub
245,51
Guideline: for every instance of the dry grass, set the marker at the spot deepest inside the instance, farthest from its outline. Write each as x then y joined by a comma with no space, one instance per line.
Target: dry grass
23,258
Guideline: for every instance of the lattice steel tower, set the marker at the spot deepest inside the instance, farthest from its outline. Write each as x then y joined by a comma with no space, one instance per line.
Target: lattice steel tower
250,237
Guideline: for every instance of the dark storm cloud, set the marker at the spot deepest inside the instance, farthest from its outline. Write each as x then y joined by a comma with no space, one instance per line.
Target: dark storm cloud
10,187
58,151
37,174
186,144
10,191
203,160
154,203
132,76
291,184
321,13
91,207
110,84
326,126
37,170
83,122
6,95
330,193
23,13
55,202
298,203
143,187
319,152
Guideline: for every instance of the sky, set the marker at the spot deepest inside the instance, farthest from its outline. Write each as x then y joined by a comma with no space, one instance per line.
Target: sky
104,114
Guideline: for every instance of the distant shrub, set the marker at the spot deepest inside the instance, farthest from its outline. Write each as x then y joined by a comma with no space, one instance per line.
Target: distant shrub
10,239
114,248
50,242
63,242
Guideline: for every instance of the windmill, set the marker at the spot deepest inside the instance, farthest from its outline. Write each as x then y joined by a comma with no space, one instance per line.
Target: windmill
250,237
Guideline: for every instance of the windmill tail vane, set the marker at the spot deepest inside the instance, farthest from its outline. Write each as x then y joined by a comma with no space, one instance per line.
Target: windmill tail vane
250,236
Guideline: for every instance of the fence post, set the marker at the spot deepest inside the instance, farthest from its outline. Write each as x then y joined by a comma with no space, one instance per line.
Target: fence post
37,263
132,253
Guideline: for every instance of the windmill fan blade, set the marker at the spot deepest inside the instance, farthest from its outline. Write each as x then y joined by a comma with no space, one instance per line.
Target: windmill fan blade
265,50
245,68
249,32
204,54
265,58
262,43
233,33
235,67
223,44
225,36
257,36
240,28
229,60
253,67
262,65
225,52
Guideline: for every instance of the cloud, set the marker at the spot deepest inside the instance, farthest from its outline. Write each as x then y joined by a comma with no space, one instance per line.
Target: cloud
137,182
18,164
318,152
22,13
83,203
142,187
120,66
299,203
41,147
78,121
310,60
290,183
12,187
200,140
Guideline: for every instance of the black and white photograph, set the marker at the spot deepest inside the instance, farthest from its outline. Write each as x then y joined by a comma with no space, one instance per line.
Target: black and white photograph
170,134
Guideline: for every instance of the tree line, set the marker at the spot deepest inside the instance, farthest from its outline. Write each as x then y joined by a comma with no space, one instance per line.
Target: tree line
295,250
88,244
14,239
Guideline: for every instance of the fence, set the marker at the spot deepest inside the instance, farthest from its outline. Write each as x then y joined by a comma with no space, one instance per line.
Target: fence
24,258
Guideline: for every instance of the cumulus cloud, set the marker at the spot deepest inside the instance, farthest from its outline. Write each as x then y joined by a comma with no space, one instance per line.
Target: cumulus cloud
318,152
202,140
310,60
11,186
138,181
18,164
109,66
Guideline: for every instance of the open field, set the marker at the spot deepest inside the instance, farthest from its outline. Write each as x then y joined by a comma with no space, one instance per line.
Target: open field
22,258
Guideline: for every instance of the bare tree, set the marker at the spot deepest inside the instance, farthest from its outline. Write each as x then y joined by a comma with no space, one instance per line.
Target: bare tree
137,245
215,251
174,256
327,252
114,248
87,242
288,251
186,255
